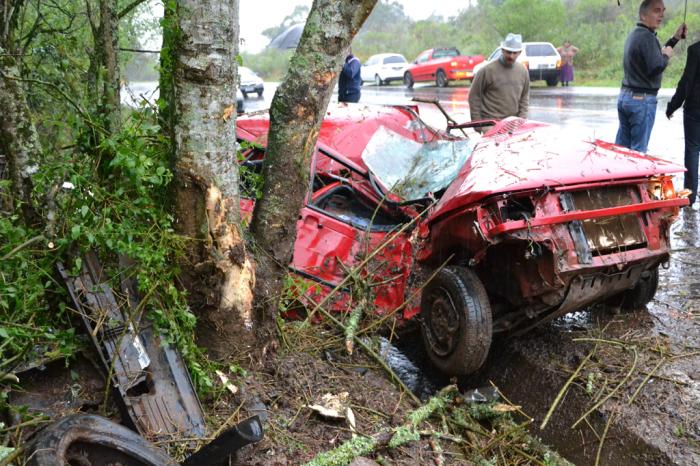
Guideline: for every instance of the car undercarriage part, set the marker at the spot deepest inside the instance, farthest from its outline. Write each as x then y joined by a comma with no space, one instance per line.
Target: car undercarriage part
219,451
89,440
152,384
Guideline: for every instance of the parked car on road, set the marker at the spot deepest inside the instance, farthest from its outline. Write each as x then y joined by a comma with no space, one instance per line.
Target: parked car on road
441,65
383,68
540,58
250,82
477,236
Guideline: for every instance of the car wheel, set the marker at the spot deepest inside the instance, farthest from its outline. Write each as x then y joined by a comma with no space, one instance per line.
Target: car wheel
245,94
408,80
93,440
643,292
377,80
551,82
456,321
260,94
440,78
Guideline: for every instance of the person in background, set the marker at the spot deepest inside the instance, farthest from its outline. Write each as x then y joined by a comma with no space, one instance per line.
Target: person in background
350,80
688,95
644,62
567,52
501,88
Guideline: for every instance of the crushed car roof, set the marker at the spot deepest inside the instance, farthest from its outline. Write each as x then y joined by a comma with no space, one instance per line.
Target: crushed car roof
514,155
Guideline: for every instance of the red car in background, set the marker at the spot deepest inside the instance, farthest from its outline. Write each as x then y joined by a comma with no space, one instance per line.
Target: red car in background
441,65
471,236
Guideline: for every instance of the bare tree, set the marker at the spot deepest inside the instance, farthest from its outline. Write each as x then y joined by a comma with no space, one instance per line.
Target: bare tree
296,114
19,143
201,50
220,274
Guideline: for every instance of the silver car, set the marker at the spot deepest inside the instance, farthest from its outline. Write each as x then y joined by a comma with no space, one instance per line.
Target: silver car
250,82
384,68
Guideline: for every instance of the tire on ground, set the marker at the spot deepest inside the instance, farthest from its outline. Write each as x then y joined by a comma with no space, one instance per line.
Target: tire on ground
551,82
643,292
408,80
456,322
440,79
90,439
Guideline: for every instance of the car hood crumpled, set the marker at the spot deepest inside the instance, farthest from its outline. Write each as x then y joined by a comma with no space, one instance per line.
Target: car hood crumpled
538,156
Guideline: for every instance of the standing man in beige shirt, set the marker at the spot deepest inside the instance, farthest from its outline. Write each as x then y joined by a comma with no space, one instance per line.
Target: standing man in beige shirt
501,88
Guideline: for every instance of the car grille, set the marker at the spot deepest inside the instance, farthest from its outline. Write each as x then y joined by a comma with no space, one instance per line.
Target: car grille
610,234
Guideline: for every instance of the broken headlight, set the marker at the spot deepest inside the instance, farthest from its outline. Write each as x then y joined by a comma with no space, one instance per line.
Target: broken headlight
661,188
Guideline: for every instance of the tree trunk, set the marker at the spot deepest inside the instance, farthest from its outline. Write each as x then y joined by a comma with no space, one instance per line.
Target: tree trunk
296,114
103,75
19,143
220,276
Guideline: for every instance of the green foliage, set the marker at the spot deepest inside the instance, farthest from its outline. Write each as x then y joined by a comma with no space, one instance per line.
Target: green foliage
270,64
30,328
597,27
345,453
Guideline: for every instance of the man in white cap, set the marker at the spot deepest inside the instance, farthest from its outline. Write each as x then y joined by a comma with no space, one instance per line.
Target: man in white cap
501,88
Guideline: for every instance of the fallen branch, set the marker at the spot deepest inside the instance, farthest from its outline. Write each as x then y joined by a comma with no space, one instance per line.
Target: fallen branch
564,389
393,438
374,355
646,379
612,392
602,438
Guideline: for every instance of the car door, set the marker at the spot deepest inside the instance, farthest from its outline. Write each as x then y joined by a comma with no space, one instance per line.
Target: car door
368,69
339,227
422,71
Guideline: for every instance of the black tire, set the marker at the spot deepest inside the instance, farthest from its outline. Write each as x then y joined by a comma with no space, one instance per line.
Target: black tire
378,81
408,80
643,292
551,82
245,94
456,321
260,93
88,439
440,79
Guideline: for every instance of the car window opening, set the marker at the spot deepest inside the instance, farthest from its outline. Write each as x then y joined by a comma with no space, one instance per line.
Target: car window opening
344,203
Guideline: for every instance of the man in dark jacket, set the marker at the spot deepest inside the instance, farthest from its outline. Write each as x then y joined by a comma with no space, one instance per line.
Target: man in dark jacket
688,95
644,62
350,80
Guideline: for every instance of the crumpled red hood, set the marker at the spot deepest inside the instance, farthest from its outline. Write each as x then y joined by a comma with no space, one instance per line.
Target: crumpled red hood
539,155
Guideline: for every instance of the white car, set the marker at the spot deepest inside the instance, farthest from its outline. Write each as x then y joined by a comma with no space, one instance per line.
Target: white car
384,68
540,58
250,82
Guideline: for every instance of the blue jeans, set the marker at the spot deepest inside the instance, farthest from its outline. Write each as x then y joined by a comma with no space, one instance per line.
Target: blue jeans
636,112
691,129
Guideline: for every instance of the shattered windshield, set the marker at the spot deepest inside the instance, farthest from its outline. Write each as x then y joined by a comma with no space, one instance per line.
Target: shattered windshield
411,169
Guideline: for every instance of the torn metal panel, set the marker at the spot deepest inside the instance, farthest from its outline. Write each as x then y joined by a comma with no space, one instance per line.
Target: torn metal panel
151,382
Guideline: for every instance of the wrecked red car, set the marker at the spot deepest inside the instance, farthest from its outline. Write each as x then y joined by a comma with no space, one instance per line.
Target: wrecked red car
474,235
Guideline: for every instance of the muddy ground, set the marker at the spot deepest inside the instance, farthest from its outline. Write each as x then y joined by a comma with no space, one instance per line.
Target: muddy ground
634,399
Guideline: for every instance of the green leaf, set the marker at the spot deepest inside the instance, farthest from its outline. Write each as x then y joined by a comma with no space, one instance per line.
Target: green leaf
3,333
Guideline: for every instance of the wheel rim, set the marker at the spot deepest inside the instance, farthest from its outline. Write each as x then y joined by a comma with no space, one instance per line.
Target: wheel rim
442,323
441,79
408,79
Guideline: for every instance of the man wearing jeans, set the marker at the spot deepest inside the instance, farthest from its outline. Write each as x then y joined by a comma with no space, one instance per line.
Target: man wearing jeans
688,95
644,62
